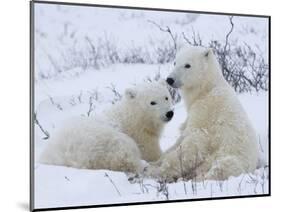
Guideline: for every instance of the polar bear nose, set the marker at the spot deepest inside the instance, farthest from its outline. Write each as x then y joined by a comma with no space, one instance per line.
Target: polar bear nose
170,81
169,114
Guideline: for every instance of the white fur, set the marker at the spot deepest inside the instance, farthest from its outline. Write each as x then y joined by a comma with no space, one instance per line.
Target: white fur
217,139
118,140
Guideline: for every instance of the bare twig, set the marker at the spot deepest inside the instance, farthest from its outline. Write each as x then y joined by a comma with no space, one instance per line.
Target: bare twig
143,186
239,189
93,96
72,101
117,95
163,188
196,39
264,179
57,105
36,121
261,148
168,30
54,63
111,181
228,34
80,97
182,171
91,106
65,177
94,51
186,39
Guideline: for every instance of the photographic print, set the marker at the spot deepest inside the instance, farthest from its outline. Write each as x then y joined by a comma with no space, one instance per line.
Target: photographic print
142,105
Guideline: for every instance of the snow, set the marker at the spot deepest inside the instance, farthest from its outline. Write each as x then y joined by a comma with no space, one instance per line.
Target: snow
73,187
65,94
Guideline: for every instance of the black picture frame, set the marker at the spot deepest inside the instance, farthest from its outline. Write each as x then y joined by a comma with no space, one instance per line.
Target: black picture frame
31,108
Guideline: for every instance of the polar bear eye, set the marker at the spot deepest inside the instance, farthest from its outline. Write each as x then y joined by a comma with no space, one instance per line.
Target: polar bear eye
153,103
187,66
166,98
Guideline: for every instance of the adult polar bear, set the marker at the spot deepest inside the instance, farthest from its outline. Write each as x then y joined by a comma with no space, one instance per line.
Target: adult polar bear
217,139
126,134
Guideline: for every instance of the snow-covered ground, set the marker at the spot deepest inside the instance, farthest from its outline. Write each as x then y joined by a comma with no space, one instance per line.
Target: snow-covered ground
63,91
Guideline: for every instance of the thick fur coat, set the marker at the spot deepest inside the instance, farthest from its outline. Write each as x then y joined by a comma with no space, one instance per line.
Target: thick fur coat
217,139
119,138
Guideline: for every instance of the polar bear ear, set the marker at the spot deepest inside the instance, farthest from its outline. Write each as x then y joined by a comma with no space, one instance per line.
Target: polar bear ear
208,53
130,93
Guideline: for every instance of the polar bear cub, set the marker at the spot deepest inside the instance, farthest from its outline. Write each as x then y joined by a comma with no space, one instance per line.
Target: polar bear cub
119,139
217,139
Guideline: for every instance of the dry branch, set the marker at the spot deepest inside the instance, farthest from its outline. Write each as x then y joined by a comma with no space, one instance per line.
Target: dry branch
167,30
45,132
111,181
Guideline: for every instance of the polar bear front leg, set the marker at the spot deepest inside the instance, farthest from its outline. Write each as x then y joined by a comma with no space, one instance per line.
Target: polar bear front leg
224,167
119,154
182,161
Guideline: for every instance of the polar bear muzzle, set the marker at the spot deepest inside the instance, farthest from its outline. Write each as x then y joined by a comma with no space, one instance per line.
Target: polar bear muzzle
168,116
170,81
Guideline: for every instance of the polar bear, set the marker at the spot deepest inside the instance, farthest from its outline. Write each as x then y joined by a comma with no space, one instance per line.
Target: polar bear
217,139
120,138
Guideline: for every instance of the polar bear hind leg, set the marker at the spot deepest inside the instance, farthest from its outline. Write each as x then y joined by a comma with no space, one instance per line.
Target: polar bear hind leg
90,145
125,157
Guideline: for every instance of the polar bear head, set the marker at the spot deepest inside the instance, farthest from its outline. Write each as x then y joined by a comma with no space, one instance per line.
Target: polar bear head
151,100
191,67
